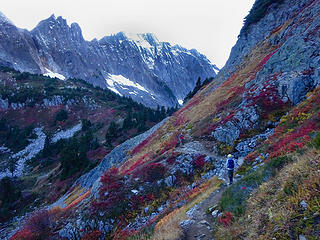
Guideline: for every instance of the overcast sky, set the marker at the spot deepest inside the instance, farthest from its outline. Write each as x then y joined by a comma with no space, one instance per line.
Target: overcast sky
210,26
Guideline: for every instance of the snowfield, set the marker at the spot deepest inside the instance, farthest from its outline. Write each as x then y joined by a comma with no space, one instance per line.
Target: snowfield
114,81
66,134
26,154
54,75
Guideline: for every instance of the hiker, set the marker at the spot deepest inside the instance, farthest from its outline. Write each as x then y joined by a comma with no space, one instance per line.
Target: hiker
230,166
181,138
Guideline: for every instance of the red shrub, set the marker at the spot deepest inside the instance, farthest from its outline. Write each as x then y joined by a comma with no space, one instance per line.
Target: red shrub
229,81
265,60
292,141
140,200
40,223
308,71
38,226
226,219
138,163
227,118
123,234
268,99
153,171
94,235
171,160
199,162
251,157
142,144
113,195
276,30
221,122
237,90
24,234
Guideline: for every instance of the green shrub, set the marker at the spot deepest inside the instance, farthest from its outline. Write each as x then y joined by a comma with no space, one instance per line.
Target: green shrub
316,141
290,188
9,194
14,137
72,159
277,163
62,115
234,198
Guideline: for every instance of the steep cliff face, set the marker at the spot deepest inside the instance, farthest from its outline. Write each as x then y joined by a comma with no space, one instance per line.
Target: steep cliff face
135,65
17,47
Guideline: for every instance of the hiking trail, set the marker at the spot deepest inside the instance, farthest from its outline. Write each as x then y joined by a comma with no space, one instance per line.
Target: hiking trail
199,225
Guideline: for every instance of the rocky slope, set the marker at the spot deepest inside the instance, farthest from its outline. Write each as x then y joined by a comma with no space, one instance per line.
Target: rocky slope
263,108
135,65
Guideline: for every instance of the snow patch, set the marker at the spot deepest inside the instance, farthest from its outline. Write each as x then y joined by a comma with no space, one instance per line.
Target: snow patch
216,70
115,90
54,75
119,80
26,154
139,40
67,133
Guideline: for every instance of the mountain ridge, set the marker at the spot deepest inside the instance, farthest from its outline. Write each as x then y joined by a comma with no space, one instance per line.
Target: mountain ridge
54,46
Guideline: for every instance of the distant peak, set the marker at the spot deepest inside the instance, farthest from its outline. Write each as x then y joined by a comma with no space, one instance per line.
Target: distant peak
52,16
51,22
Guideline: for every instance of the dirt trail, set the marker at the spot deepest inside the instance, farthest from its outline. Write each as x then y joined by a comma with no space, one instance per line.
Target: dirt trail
199,225
201,228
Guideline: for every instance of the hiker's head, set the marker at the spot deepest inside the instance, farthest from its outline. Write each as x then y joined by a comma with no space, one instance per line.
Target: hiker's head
229,156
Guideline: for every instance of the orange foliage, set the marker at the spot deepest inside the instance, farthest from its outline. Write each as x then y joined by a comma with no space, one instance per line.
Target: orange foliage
166,219
78,200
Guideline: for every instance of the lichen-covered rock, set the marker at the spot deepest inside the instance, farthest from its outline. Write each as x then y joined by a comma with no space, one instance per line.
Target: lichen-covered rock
248,145
227,133
4,104
53,101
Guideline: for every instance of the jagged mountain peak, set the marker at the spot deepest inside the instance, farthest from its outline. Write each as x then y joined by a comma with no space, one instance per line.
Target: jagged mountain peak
59,22
167,73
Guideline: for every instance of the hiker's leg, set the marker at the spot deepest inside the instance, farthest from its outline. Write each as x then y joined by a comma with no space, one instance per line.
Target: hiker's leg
231,176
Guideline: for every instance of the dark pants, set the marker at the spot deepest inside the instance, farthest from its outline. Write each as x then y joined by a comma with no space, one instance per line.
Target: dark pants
230,175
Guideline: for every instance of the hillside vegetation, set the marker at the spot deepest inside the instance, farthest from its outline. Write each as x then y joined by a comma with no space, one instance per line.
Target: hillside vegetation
263,107
97,120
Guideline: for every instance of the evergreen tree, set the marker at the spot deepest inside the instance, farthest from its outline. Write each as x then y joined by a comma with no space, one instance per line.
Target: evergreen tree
112,133
162,113
198,84
86,124
46,152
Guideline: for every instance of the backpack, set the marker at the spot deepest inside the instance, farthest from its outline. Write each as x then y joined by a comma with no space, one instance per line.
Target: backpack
230,163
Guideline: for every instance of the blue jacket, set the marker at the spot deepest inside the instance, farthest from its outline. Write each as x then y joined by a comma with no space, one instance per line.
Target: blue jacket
230,163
